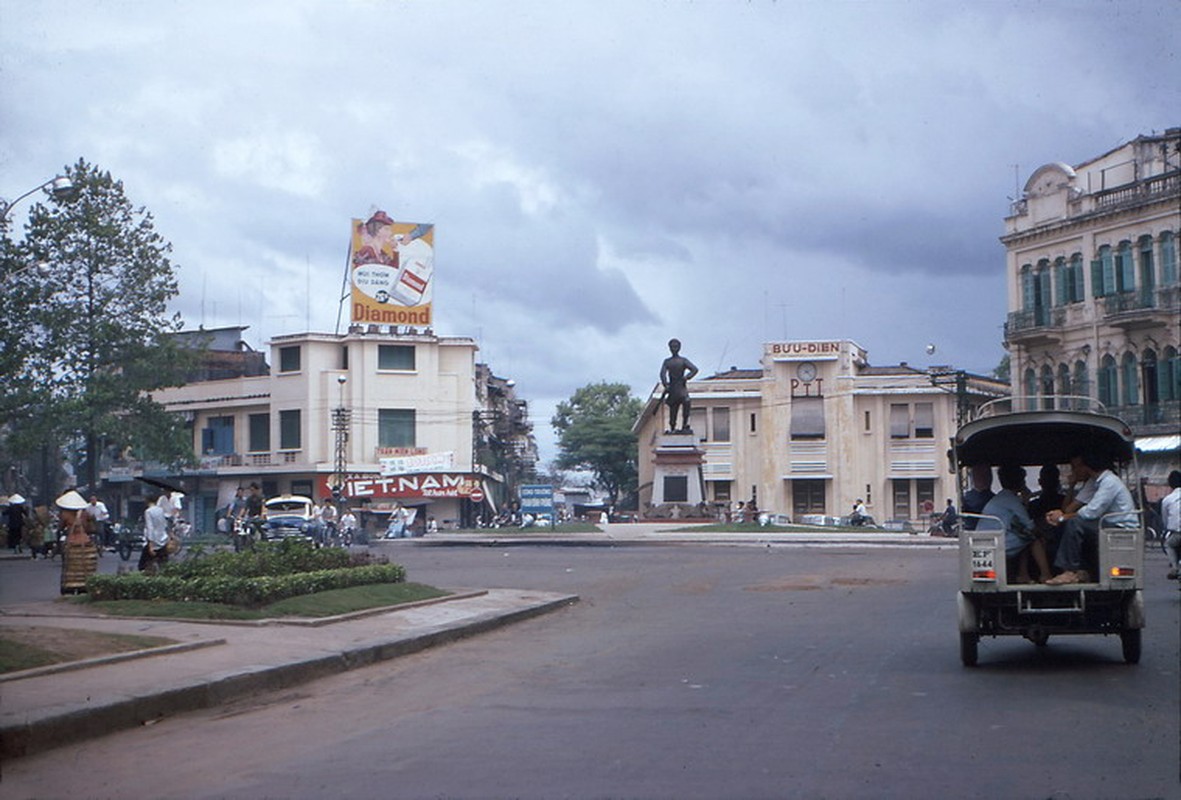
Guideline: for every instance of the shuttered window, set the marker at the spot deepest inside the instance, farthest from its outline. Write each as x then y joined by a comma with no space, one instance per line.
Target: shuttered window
807,418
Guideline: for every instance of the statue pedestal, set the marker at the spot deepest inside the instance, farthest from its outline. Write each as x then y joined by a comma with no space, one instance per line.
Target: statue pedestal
677,478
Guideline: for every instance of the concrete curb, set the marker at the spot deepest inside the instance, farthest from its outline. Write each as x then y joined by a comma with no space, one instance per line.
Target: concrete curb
55,727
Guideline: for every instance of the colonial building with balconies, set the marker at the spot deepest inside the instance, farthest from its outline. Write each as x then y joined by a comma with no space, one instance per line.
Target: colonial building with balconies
1093,289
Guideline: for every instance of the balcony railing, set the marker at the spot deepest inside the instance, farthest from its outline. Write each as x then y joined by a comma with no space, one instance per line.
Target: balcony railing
1035,319
1166,415
1126,302
1148,189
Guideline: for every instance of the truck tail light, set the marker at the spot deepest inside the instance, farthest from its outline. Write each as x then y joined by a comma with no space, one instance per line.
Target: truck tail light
1123,572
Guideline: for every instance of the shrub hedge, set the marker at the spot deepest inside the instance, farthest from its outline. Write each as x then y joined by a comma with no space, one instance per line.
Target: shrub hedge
234,590
271,572
267,558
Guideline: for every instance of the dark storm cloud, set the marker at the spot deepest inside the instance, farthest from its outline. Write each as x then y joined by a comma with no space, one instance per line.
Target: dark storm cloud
602,175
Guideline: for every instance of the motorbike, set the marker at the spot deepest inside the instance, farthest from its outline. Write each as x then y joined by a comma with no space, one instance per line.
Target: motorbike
127,539
246,532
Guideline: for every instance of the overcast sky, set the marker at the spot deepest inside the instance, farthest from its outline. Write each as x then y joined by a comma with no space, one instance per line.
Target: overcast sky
602,175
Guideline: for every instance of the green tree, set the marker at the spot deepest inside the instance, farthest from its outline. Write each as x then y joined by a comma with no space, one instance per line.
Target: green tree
1001,371
595,433
94,329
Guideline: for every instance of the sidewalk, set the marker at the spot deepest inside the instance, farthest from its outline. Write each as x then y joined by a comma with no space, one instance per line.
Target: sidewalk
218,663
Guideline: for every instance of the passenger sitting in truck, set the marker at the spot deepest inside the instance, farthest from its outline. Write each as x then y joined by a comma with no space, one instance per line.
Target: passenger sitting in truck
1050,498
1021,539
978,496
1080,528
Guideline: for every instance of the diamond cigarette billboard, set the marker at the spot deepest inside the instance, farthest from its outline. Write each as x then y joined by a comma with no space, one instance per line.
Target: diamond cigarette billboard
392,265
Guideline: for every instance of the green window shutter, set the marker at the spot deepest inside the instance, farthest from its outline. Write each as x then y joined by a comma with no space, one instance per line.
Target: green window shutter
1097,278
1106,257
1168,257
1126,275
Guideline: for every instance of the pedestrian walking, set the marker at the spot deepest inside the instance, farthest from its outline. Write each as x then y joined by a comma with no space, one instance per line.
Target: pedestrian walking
16,519
79,555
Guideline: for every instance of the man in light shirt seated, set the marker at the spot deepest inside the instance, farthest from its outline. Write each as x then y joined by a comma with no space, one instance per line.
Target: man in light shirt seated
1021,539
1080,527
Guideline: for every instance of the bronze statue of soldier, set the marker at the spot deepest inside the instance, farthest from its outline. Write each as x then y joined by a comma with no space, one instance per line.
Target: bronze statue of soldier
675,374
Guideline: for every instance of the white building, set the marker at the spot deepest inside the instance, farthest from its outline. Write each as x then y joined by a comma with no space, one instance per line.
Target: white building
1094,294
816,427
404,407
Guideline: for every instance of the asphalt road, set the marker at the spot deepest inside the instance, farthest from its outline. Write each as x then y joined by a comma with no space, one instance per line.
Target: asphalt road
685,672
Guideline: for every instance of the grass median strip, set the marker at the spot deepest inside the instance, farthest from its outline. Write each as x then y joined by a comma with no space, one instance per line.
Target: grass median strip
27,647
320,604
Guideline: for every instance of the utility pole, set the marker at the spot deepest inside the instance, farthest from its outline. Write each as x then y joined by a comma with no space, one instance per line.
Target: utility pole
341,418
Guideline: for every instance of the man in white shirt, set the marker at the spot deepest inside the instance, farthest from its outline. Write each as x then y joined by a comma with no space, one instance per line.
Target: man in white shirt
98,511
1111,505
155,537
1170,511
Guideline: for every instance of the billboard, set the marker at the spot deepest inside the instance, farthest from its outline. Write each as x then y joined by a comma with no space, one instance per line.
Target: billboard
391,265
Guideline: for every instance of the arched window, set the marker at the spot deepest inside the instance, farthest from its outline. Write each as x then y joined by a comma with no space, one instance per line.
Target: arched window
1168,259
1125,269
1108,383
1081,384
1148,368
1047,387
1041,292
1169,376
1130,381
1077,290
1027,288
1147,273
1030,385
1103,273
1064,380
1061,282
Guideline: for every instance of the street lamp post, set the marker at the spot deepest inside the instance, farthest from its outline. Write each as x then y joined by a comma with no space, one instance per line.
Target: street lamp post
59,188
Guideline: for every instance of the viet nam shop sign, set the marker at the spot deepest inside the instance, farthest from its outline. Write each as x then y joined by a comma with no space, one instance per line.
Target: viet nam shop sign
423,484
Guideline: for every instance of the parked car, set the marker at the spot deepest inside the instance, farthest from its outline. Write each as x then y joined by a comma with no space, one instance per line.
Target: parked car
288,516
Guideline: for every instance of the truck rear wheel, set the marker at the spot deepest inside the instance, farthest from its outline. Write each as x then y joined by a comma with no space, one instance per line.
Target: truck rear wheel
969,649
1130,639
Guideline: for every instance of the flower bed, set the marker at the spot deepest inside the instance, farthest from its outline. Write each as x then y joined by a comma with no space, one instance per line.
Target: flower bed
251,579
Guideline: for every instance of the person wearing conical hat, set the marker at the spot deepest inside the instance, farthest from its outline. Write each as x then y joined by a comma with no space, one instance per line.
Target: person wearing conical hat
15,519
79,557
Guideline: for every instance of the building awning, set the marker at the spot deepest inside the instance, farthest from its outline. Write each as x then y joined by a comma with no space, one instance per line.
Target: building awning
1158,444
